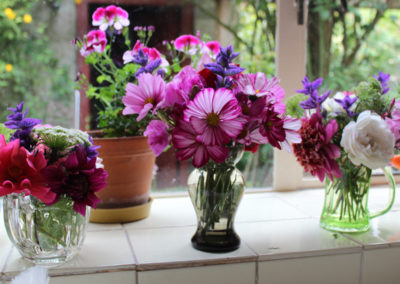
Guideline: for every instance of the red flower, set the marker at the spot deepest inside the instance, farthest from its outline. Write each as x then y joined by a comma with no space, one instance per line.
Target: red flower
20,172
209,77
78,178
315,152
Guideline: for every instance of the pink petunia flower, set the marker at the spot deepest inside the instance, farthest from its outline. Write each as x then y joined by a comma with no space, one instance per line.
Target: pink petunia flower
158,137
95,41
315,152
147,95
110,16
187,44
20,172
258,85
187,143
280,131
213,115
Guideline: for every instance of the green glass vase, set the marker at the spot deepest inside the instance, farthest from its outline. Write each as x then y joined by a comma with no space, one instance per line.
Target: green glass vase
346,200
215,191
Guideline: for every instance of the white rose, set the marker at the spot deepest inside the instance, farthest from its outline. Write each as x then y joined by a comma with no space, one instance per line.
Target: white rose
368,141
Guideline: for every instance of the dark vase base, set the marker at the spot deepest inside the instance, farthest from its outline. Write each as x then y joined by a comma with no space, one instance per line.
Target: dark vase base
216,241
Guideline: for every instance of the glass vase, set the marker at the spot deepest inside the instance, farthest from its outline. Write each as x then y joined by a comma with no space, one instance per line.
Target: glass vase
346,200
44,234
215,191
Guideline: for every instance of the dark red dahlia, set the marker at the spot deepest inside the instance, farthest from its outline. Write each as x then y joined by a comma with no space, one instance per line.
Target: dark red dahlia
78,178
315,152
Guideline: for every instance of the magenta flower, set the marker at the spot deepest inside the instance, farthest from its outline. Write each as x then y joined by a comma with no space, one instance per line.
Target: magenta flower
315,152
20,172
214,47
258,85
95,41
151,52
280,131
178,91
187,44
110,16
147,95
78,178
158,137
187,143
213,115
394,123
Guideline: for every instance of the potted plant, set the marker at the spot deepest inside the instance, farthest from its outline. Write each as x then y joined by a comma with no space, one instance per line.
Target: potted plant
123,148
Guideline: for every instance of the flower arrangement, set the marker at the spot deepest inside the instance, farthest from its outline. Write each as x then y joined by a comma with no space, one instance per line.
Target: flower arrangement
49,163
210,115
48,177
114,70
344,138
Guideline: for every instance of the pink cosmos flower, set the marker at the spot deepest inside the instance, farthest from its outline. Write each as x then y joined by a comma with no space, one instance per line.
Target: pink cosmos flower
315,152
187,44
110,16
158,137
20,172
280,131
147,95
95,41
187,143
258,85
213,115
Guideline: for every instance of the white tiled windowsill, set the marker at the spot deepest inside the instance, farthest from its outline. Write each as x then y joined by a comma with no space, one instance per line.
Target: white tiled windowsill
281,243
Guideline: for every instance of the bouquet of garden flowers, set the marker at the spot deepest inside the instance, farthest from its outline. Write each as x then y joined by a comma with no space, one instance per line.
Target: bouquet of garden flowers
114,69
49,163
344,138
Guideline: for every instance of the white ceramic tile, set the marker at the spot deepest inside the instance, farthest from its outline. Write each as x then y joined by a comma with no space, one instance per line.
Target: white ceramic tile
243,273
170,246
379,197
95,227
167,212
310,201
381,266
264,209
332,269
282,239
101,250
384,230
123,277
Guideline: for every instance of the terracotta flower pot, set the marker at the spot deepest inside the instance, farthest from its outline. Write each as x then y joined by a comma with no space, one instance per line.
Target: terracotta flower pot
129,162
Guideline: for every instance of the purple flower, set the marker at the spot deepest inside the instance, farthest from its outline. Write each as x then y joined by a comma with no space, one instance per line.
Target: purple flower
311,89
383,78
346,103
22,124
158,136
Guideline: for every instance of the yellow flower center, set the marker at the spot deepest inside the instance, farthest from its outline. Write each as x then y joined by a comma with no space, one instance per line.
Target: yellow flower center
212,119
9,13
9,67
149,101
257,91
27,18
78,2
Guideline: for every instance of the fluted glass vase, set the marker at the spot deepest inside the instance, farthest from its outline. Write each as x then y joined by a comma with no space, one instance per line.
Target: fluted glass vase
44,234
215,191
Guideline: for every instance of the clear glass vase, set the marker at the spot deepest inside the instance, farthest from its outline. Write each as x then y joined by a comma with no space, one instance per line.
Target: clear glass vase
215,191
44,234
346,200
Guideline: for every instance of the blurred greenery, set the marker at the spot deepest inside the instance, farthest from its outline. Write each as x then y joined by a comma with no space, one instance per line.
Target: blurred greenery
29,70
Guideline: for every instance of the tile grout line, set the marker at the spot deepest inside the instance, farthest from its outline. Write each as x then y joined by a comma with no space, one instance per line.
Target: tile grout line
6,262
256,270
135,259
